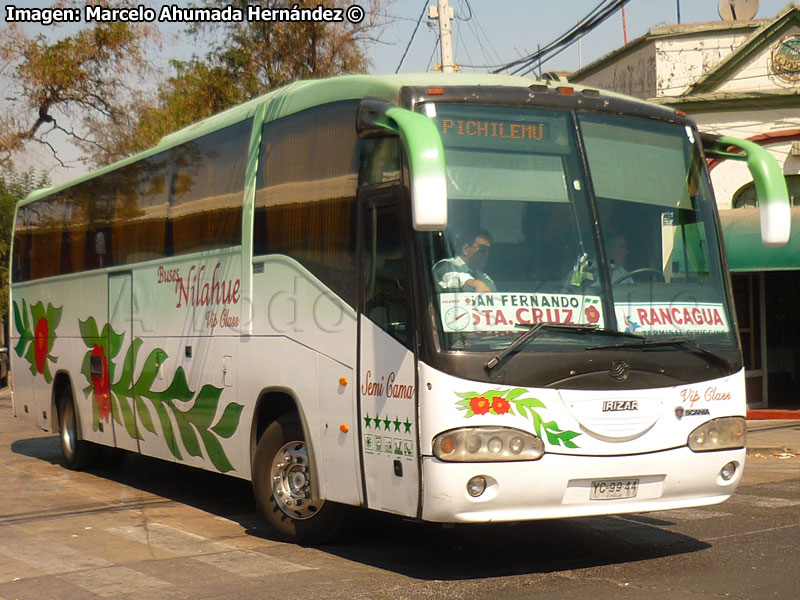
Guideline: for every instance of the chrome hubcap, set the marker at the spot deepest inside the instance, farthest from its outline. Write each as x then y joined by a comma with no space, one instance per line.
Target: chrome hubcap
291,482
68,433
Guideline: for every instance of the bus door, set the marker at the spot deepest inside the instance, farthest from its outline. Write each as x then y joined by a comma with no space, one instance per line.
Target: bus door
387,382
120,320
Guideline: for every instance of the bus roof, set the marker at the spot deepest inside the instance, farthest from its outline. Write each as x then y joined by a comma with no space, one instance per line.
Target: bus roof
304,94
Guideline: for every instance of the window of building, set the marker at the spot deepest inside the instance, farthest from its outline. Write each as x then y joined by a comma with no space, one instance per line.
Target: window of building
745,196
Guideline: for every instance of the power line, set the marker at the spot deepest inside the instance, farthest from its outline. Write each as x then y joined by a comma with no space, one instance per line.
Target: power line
598,15
413,35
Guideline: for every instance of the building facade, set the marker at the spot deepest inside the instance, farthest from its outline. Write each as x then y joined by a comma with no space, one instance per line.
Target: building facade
740,79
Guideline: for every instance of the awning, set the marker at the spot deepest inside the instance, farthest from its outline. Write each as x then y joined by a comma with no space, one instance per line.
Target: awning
741,228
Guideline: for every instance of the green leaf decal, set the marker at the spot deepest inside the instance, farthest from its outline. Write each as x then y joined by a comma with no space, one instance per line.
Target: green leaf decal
89,331
150,370
115,341
215,452
229,421
177,405
188,436
144,415
511,402
24,330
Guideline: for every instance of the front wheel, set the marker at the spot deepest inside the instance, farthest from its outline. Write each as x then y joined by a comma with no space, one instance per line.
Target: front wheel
78,454
283,489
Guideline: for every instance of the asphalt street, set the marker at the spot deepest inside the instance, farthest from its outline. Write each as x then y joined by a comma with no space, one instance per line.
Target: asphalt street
146,528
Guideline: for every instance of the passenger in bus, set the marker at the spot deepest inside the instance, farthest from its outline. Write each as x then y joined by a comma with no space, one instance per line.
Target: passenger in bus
466,271
617,252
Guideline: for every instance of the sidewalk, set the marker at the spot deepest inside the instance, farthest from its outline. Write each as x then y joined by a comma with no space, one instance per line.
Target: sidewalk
773,437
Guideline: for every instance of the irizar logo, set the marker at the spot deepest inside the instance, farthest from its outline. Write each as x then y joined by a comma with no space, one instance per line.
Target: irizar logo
620,405
681,412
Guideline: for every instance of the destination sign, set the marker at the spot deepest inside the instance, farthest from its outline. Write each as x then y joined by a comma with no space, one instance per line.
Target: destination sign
512,130
465,311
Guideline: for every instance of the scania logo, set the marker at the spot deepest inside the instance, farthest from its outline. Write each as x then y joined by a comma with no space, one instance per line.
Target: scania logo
619,370
681,412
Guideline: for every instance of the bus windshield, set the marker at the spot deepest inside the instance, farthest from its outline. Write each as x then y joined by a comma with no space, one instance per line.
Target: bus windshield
583,218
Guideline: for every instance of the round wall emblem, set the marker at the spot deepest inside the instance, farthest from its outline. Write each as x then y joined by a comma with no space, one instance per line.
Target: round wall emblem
786,59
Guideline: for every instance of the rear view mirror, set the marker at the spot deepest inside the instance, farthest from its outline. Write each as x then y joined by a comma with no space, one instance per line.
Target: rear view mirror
770,184
423,146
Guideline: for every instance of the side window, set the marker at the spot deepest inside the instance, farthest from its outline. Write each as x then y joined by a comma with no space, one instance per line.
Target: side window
305,204
205,207
46,219
387,293
380,161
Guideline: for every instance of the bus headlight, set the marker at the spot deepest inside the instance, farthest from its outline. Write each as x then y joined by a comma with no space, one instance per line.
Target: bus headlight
719,434
487,444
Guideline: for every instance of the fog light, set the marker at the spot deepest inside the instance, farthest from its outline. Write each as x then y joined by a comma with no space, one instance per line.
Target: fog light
476,486
728,471
473,444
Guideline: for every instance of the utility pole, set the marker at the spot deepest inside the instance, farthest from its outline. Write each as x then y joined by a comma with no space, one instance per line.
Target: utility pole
444,12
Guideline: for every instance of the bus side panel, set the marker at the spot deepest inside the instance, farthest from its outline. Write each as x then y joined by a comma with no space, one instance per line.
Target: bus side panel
305,345
186,317
51,333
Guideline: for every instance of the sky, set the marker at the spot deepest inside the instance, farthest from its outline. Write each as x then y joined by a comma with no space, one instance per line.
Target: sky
485,32
501,31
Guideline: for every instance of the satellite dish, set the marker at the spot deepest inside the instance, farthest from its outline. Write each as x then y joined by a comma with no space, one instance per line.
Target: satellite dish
737,10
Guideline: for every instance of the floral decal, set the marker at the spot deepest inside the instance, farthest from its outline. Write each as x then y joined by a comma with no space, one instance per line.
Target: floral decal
511,402
592,314
133,401
37,335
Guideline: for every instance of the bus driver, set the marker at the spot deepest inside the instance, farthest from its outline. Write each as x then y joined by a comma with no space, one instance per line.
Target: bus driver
465,271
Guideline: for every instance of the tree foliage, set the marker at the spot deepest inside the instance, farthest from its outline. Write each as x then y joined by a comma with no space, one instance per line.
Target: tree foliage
249,58
84,85
76,85
14,186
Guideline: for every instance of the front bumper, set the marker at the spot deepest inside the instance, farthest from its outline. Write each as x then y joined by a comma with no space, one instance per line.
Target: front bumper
558,486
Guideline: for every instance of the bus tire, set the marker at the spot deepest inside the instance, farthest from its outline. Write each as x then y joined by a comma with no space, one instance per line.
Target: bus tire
283,489
78,454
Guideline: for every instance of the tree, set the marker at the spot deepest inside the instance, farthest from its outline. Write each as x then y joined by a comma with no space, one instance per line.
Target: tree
249,58
78,85
14,186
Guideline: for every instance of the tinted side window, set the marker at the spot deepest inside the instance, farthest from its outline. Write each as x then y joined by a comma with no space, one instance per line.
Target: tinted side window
43,221
306,191
178,201
205,204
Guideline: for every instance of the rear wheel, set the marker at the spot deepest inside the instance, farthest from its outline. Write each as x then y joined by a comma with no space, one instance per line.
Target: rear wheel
283,489
78,454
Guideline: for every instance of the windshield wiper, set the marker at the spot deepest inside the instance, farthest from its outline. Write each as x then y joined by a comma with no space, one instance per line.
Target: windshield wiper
677,342
528,335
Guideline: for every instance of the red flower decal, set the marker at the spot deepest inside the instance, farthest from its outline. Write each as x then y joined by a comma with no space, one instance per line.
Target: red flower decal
480,405
102,394
500,406
592,314
41,338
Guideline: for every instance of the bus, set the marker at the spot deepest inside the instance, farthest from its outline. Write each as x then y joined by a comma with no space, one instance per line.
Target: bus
456,298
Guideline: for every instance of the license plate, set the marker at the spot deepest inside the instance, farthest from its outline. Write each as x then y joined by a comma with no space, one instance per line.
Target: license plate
613,489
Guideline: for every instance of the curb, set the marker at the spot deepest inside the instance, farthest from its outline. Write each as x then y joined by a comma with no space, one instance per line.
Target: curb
760,414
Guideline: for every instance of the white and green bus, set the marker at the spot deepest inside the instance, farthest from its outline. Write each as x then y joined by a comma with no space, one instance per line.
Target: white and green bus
457,298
